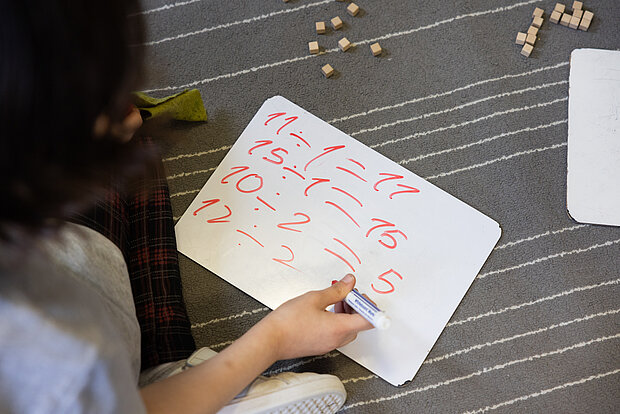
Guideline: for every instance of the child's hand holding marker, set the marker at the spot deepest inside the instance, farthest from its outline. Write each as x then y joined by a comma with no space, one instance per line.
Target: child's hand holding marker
362,304
302,326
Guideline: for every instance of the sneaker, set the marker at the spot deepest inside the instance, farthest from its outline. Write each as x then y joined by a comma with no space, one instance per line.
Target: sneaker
289,392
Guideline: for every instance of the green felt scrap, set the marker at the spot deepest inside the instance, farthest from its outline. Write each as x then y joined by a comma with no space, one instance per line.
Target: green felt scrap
183,106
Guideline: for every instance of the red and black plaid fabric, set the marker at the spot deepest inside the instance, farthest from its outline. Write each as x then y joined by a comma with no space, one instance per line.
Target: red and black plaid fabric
142,227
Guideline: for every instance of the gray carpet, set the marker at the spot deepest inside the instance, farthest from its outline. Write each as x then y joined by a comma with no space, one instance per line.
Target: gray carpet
541,332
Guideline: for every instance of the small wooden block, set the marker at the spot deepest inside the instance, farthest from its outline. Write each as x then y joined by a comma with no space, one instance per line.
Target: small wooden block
344,44
530,39
336,23
375,48
532,30
555,17
588,15
353,9
565,20
320,27
527,50
313,47
327,70
560,7
585,24
538,12
574,22
578,13
521,38
537,22
577,5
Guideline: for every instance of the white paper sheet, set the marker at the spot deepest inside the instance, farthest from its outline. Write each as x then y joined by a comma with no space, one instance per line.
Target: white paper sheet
593,179
297,203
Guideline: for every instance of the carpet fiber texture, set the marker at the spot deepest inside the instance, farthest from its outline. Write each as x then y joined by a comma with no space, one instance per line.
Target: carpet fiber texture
452,100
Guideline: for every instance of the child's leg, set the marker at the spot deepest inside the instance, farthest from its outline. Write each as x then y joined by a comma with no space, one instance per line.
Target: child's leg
141,226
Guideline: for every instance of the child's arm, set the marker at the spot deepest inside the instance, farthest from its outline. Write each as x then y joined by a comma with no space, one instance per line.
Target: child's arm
300,327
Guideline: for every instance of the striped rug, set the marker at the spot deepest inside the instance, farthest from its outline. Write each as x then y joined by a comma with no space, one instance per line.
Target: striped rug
452,100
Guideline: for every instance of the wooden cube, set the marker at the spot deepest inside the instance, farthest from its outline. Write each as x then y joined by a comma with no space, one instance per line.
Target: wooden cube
530,39
559,7
537,22
574,22
353,9
320,27
588,15
565,20
313,47
585,24
521,38
344,44
577,5
578,13
375,48
555,17
538,12
527,50
532,30
337,23
327,70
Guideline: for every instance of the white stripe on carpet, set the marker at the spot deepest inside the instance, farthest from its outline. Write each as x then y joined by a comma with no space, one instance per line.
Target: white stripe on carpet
458,107
446,93
493,161
545,391
551,256
547,233
471,121
518,336
483,141
225,25
483,371
534,302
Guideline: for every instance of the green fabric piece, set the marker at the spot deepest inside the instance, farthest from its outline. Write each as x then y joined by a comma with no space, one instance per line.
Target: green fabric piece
183,106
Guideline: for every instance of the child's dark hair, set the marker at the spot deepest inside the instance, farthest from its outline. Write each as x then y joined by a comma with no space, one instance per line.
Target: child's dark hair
62,64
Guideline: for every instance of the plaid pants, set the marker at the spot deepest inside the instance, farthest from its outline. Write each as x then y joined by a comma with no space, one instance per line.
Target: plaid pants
141,226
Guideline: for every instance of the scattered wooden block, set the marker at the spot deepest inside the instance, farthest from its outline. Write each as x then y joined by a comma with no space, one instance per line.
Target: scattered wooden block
555,17
577,5
538,12
574,22
337,23
527,50
313,47
521,38
375,48
588,15
532,30
327,70
578,13
320,27
565,20
353,9
344,44
559,7
537,22
530,39
585,24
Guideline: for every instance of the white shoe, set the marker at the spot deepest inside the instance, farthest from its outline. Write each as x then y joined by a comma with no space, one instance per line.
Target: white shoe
289,392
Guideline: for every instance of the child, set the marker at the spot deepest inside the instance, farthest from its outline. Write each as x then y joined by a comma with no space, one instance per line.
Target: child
77,301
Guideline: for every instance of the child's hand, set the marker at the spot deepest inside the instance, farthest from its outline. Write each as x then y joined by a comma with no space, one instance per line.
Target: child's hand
302,326
124,130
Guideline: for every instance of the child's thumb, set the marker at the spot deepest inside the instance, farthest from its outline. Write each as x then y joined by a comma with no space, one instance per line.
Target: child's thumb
338,291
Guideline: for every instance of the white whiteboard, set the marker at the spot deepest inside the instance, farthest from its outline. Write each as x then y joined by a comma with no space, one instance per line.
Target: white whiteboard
593,179
289,220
